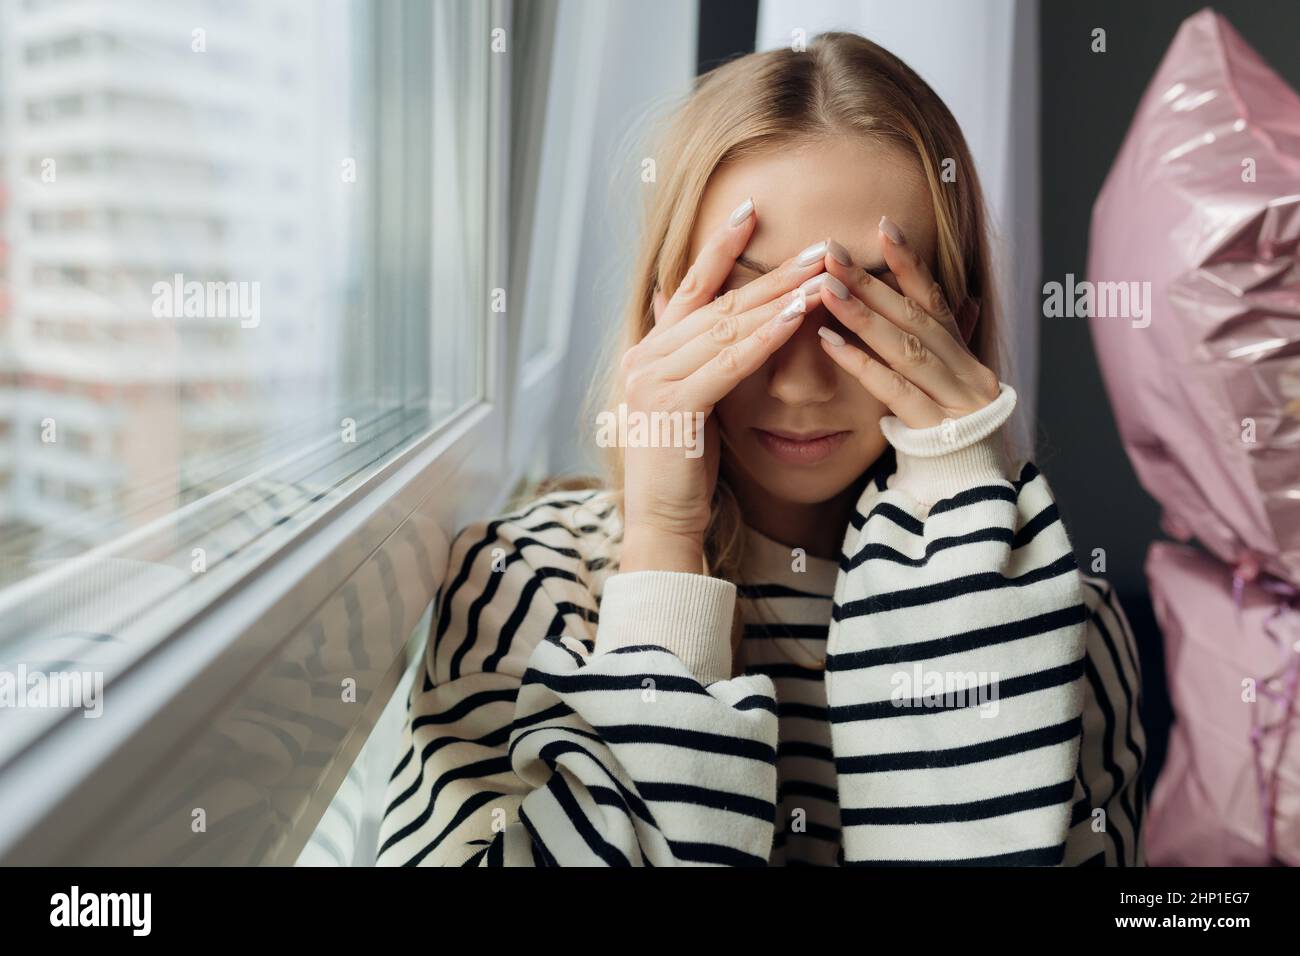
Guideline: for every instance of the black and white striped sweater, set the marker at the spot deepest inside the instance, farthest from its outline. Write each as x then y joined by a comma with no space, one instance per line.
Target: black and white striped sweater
978,706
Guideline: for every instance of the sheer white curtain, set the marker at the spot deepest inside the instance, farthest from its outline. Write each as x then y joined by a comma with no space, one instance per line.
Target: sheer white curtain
646,66
981,58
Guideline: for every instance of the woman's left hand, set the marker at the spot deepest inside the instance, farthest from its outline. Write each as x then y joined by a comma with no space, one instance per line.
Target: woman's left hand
928,374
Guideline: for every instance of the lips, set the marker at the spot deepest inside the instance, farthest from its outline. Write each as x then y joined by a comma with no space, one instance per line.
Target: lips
793,448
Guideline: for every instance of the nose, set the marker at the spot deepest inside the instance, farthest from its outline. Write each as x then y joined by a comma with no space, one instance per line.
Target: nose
800,372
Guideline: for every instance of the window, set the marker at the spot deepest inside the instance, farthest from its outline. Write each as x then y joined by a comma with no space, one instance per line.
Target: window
205,307
255,376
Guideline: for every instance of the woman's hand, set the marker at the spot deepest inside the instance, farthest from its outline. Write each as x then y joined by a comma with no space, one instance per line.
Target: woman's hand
701,347
930,374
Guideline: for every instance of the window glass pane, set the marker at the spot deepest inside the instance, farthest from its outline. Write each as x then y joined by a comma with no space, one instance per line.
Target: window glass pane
217,222
184,253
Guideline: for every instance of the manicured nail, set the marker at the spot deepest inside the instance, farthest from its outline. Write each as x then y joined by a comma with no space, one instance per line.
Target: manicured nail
810,255
742,212
832,337
838,288
813,286
839,253
796,308
888,228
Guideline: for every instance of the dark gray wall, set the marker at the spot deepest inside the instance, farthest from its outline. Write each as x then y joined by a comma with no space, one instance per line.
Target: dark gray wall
1088,100
726,30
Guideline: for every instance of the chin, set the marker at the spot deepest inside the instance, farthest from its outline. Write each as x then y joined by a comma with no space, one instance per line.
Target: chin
805,487
800,484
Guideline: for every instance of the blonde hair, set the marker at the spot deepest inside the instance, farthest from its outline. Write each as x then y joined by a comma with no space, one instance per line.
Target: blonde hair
842,85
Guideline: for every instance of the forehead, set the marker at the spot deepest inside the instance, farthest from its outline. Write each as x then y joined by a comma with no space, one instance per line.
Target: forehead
836,188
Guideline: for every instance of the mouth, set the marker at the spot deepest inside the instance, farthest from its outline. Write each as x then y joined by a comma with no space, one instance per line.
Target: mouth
793,448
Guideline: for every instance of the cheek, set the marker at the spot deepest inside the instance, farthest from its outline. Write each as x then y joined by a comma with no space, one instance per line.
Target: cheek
862,409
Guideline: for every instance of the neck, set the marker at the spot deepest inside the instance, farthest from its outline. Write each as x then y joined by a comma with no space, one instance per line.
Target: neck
818,528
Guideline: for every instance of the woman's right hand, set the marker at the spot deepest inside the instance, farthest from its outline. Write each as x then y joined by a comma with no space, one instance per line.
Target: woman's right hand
701,347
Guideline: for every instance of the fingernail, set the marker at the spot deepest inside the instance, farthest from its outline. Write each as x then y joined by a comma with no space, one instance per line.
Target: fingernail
796,308
742,212
814,285
811,254
888,228
832,337
839,253
838,288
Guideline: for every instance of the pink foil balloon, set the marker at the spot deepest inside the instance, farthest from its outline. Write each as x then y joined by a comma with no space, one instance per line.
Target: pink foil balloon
1203,203
1228,673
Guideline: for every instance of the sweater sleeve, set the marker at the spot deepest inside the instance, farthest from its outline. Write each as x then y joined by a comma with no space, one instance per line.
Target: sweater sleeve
527,744
954,676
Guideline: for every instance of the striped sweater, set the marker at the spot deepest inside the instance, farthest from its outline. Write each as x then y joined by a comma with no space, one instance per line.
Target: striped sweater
952,691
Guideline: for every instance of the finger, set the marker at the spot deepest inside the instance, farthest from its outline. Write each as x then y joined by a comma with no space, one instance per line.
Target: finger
712,266
903,351
733,363
905,311
762,291
904,315
914,276
731,329
913,407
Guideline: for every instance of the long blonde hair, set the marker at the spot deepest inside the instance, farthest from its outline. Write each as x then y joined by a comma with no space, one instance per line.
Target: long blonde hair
843,84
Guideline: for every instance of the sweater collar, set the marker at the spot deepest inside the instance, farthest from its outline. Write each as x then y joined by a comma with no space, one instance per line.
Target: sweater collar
767,561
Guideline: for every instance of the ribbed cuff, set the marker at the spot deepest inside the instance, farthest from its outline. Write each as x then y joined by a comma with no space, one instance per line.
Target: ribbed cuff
688,614
938,462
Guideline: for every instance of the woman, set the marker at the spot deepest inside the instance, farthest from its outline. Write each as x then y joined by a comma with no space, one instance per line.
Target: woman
846,628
